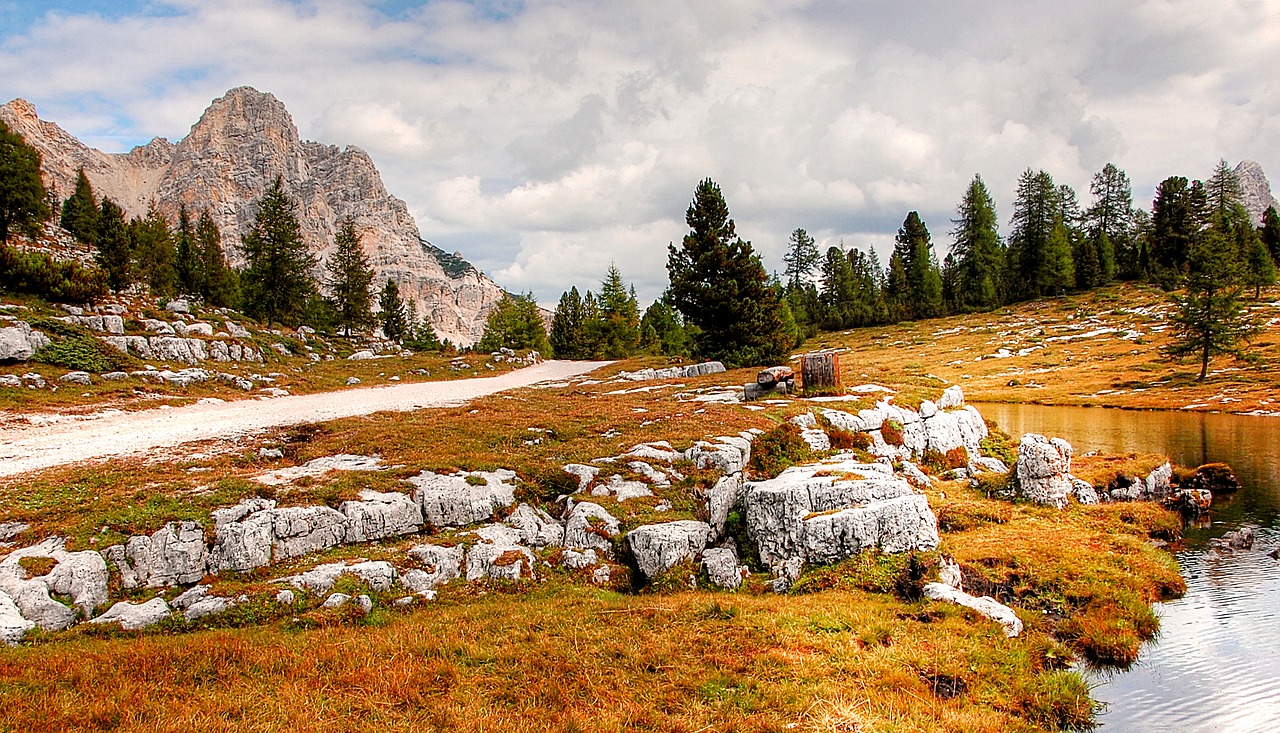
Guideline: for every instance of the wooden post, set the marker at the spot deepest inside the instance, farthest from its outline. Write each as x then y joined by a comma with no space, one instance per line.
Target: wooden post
820,372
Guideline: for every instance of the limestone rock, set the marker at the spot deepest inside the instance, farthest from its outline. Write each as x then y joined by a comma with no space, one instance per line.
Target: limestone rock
12,625
1043,470
952,398
18,341
590,527
985,605
1158,482
499,562
1083,491
174,555
81,378
132,616
585,474
378,515
894,525
336,600
378,575
303,530
34,602
1256,190
439,566
285,596
983,463
450,501
536,528
658,547
722,568
721,499
81,575
578,559
253,533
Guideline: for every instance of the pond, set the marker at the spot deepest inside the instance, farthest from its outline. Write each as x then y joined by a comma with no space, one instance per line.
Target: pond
1216,664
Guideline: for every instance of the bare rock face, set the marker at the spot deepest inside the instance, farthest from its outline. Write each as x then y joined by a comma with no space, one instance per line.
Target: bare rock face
232,154
1256,190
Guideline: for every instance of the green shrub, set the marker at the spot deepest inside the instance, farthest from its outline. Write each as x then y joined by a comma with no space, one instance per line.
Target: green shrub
77,348
778,450
62,281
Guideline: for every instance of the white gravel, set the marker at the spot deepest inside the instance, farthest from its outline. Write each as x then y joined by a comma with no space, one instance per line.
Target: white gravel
54,443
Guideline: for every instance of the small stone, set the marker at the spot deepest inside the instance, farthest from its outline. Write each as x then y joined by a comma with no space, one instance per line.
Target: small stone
365,602
285,596
81,378
335,600
352,381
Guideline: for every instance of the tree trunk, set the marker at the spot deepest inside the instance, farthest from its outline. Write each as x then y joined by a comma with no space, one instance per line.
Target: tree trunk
820,372
1204,360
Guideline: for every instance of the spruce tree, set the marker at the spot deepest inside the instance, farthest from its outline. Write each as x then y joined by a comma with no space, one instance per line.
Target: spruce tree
838,290
153,252
922,295
568,337
1034,262
277,281
1211,318
1177,218
1260,269
719,285
978,250
349,280
619,334
187,251
23,203
1270,233
392,315
219,284
663,321
80,211
114,250
801,258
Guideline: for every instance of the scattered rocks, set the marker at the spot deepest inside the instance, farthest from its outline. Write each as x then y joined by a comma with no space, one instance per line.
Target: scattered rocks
439,566
986,605
174,555
686,372
536,528
321,466
378,575
499,562
1238,539
81,378
18,341
1217,478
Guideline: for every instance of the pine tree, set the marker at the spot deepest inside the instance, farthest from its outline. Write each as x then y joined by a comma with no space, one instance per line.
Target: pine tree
277,281
801,258
619,327
114,250
978,250
568,337
349,280
1211,318
514,323
80,211
219,284
23,200
154,256
392,315
719,285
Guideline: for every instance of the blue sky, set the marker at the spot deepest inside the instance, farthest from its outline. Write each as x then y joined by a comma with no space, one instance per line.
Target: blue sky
547,139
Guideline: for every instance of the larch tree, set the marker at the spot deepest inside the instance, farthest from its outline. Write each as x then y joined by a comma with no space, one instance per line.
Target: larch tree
1034,250
154,257
187,251
219,283
277,282
349,278
514,323
1211,318
1108,222
720,286
619,327
801,258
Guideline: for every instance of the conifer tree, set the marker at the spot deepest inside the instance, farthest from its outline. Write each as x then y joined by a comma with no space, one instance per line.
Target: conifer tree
153,252
1177,218
1260,269
1109,222
219,284
277,282
23,203
1211,318
80,211
669,333
1035,255
719,285
392,315
619,329
801,258
923,282
568,337
422,335
838,290
514,323
1270,233
114,250
187,253
978,250
349,280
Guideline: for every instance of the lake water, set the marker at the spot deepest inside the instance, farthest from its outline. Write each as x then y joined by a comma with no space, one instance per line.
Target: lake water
1216,664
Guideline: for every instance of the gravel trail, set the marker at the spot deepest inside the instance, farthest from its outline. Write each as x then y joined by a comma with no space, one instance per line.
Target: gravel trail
35,447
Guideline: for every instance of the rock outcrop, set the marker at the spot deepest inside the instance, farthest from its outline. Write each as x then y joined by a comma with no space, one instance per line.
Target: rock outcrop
232,154
986,605
1256,190
1044,470
659,547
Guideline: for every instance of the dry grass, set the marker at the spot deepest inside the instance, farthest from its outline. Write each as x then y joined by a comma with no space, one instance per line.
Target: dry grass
1098,348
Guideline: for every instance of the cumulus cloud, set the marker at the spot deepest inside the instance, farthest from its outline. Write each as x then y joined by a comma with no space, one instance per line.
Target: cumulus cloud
547,140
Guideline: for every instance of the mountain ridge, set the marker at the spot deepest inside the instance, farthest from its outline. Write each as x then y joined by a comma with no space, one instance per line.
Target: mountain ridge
244,139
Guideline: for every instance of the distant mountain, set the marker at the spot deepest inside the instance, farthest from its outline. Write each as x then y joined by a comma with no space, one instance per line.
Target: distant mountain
1257,190
241,143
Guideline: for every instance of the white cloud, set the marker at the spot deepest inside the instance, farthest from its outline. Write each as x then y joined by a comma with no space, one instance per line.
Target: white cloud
548,139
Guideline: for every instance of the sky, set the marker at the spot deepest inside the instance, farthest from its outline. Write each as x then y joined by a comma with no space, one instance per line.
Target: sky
548,140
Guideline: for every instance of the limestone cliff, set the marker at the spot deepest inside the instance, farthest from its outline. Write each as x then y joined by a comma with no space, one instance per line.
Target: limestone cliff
237,148
1256,190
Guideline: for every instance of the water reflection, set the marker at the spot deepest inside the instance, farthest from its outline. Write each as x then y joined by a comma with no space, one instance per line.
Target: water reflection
1216,664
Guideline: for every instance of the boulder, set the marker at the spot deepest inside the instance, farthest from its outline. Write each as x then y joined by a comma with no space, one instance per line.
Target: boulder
452,501
196,603
590,527
1158,482
658,451
1217,478
12,625
174,555
178,306
81,378
659,547
1083,491
721,499
585,474
133,616
727,454
952,398
439,566
650,474
499,562
1043,470
623,490
722,568
18,341
578,559
536,528
254,533
378,515
36,605
993,465
305,529
1236,539
847,505
378,575
986,605
81,575
335,600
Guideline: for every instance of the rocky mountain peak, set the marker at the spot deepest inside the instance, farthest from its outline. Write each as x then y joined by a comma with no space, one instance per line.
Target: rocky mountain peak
242,142
1256,189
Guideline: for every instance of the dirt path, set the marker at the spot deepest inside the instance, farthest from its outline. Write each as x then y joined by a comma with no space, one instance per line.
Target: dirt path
40,446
